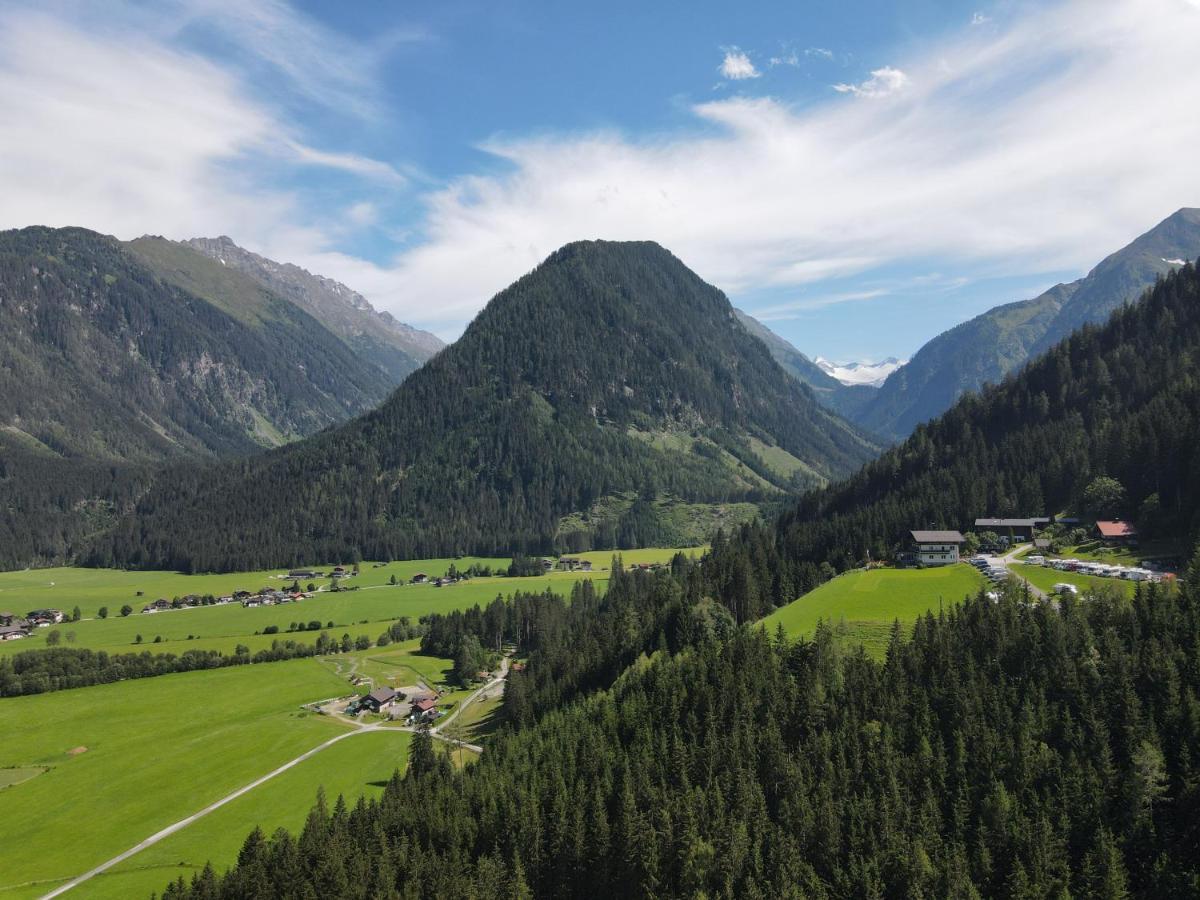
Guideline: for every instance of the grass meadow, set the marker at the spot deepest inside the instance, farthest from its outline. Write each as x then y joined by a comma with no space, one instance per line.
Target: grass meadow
1044,578
863,605
124,760
358,766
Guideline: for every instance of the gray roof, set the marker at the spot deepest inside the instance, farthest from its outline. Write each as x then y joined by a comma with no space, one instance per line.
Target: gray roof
382,695
937,537
1005,523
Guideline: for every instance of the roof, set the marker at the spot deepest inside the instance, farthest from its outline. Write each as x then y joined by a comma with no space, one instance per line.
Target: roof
11,629
424,705
937,537
1006,523
1116,528
382,695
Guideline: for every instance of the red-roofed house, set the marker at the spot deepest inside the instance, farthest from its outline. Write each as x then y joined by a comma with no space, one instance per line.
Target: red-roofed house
425,708
1116,532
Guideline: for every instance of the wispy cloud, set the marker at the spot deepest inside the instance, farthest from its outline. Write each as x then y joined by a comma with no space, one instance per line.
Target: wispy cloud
737,65
781,311
882,83
975,161
980,19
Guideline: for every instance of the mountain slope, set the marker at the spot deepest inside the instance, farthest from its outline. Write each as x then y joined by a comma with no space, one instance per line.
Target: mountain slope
842,398
989,346
579,406
104,359
860,373
395,348
1122,400
108,369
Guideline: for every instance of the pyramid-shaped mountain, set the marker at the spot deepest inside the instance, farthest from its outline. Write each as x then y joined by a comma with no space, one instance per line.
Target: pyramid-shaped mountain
608,398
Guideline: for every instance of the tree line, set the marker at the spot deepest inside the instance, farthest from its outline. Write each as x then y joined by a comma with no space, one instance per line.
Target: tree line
1006,749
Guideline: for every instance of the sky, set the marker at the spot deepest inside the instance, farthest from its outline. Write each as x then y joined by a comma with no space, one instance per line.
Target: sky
859,175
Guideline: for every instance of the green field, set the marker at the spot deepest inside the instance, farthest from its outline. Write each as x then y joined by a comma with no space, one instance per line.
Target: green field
1097,551
372,604
125,760
1044,578
863,605
359,765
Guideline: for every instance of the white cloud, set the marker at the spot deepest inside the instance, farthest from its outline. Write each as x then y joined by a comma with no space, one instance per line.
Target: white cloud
737,65
982,19
819,52
113,123
975,161
882,83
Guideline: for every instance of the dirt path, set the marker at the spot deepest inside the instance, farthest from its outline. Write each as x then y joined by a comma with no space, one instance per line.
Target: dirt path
358,729
184,823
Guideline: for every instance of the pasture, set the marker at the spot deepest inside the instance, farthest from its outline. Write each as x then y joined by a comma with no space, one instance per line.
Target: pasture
358,766
124,760
862,605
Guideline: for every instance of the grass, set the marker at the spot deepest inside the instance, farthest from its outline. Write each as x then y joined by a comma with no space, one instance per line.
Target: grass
230,624
16,774
358,766
1097,551
1045,579
864,604
124,760
67,587
478,721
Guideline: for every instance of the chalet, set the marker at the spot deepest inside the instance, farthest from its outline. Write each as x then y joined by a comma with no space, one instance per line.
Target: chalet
547,564
13,632
303,573
339,572
379,699
7,618
45,616
1116,532
934,548
253,600
228,598
420,578
574,564
241,595
1015,529
424,710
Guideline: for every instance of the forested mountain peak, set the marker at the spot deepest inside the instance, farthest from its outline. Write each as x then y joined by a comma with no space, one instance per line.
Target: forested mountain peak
394,347
610,396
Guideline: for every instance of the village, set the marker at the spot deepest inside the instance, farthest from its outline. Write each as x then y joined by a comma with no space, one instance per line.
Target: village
928,548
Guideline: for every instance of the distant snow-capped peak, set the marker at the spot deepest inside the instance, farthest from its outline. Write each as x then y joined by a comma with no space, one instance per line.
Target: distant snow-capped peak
854,373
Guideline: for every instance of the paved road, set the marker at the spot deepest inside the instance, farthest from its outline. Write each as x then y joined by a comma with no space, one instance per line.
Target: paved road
1011,557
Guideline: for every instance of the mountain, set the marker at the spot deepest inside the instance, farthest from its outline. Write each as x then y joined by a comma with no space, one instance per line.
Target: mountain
395,348
610,397
860,373
1121,400
844,399
111,363
989,346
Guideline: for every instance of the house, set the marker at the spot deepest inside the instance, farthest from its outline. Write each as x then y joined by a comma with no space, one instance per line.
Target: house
339,572
934,548
379,699
7,618
1116,532
45,616
1016,529
420,578
425,709
302,573
547,564
13,632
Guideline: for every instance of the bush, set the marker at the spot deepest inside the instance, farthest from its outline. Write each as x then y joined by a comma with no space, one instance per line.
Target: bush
126,609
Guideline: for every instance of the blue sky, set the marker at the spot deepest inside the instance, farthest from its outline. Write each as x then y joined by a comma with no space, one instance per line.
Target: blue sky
860,175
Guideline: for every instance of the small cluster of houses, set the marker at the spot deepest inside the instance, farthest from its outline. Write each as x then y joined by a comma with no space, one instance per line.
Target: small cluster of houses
14,627
264,597
416,707
942,547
